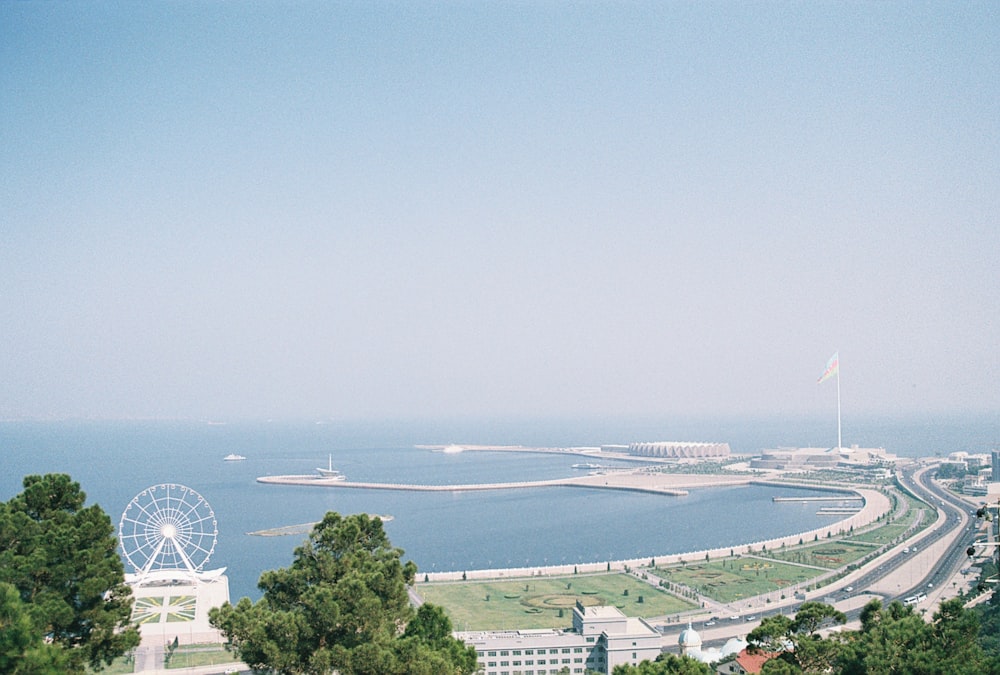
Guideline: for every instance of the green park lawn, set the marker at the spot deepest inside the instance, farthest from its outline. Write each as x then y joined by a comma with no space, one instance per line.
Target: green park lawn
536,602
828,554
734,579
191,656
121,665
891,531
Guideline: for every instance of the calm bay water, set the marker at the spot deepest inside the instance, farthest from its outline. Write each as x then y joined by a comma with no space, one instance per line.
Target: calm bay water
114,461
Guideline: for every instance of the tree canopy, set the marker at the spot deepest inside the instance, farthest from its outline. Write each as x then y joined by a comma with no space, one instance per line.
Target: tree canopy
893,640
23,649
665,664
60,560
343,605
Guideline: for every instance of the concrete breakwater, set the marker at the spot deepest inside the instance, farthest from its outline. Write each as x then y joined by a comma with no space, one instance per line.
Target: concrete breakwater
580,481
816,499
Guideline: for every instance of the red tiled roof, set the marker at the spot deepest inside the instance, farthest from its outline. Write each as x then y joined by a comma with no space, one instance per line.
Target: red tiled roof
752,663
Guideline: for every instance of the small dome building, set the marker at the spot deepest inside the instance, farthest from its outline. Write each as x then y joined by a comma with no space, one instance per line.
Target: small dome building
690,644
689,641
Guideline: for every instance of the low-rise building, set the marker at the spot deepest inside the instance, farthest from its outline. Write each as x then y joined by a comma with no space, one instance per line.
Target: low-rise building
601,638
864,460
745,663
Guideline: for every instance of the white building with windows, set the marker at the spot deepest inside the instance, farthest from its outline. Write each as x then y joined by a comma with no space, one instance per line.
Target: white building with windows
601,638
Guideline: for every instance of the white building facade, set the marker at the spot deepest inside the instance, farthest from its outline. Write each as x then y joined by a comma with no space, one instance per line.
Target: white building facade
601,638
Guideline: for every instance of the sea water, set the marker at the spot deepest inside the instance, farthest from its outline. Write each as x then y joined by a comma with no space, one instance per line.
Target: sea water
114,461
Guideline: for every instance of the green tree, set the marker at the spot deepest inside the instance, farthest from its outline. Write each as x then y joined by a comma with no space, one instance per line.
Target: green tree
23,649
814,615
895,639
342,606
773,634
665,664
795,641
61,558
779,666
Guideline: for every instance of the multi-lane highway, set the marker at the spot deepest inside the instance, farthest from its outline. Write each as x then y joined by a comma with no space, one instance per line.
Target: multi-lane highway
926,564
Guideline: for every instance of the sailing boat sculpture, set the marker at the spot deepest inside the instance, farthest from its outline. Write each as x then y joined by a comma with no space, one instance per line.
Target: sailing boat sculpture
329,472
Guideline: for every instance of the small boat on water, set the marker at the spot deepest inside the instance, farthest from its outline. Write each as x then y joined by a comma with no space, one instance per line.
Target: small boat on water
586,465
329,472
233,457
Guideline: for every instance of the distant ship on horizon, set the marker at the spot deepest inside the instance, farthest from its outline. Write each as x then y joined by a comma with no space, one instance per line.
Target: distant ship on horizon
233,457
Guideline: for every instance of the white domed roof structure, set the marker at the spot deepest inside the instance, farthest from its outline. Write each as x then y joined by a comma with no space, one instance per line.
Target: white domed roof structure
689,640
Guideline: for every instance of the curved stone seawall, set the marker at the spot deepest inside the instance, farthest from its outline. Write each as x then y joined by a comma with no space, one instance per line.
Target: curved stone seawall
876,503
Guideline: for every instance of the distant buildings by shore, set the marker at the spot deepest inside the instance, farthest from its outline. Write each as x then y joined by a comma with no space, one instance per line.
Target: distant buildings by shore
818,459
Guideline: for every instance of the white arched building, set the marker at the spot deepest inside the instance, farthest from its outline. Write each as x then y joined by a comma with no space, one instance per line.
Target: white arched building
679,450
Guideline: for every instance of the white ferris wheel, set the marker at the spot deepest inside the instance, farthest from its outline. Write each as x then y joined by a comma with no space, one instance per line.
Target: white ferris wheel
168,531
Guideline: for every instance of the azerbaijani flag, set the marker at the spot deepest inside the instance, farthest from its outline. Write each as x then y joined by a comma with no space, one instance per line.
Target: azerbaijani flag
832,368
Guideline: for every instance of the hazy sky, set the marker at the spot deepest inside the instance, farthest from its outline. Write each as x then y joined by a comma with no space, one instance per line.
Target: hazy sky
272,209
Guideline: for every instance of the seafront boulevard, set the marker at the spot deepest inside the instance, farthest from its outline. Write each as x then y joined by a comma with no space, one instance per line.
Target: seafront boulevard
875,504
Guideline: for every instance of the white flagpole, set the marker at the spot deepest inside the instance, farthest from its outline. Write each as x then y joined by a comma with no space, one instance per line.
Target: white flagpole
839,445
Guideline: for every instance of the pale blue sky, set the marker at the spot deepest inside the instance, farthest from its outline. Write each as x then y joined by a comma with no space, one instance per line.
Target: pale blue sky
268,209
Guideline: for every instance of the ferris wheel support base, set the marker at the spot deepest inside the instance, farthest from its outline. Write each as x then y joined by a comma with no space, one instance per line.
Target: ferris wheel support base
175,577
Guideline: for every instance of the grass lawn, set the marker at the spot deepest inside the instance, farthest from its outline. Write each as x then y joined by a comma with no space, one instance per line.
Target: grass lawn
891,531
122,664
828,554
738,578
535,602
189,656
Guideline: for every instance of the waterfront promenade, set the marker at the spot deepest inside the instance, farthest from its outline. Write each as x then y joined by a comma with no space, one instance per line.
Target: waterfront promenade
875,503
